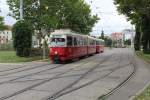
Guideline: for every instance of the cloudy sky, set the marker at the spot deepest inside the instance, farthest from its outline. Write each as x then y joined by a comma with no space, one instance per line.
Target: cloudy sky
110,21
106,10
4,12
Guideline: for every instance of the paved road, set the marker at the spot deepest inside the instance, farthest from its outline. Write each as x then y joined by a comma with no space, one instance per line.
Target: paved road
86,79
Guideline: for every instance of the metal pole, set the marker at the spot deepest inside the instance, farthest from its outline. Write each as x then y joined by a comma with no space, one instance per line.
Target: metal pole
21,9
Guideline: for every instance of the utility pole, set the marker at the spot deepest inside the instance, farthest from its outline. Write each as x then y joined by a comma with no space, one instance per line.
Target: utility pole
21,9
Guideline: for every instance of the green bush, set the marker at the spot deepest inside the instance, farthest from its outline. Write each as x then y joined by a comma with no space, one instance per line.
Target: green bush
22,38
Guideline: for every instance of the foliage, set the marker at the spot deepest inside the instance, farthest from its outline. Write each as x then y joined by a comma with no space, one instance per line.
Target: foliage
47,14
146,57
102,35
22,35
108,42
145,95
137,39
138,12
1,23
127,42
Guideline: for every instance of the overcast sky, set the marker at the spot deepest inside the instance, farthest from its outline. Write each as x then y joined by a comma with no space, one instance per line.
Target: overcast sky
110,21
106,10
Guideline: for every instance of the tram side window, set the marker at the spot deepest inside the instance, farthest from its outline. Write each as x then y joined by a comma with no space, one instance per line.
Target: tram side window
91,42
81,41
69,41
85,42
103,43
97,43
75,41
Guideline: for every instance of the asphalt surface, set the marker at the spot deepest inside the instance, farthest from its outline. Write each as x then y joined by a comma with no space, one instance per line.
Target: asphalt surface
86,79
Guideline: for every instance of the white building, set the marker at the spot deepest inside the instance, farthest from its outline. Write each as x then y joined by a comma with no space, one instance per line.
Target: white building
118,39
5,36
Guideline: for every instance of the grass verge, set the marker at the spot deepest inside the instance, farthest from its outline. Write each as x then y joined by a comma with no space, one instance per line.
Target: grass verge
10,57
145,95
146,57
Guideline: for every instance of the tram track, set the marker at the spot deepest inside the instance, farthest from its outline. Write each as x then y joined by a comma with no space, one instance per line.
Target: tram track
73,83
47,80
58,66
34,67
20,77
59,93
70,75
104,97
79,87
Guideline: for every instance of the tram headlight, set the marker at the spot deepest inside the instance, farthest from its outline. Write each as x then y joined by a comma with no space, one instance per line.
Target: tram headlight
56,52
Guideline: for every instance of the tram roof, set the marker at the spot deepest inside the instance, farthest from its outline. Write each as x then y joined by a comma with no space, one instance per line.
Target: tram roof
70,32
66,32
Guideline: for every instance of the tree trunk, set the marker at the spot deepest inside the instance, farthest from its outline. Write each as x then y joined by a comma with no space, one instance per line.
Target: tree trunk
146,34
137,39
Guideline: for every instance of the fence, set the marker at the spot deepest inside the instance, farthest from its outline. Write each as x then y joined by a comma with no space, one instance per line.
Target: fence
6,47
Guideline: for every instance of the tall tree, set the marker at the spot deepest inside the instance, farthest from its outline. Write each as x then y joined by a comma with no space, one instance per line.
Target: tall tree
102,34
137,39
1,23
47,14
137,11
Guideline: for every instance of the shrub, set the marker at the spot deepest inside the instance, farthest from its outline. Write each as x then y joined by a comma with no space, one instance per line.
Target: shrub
22,38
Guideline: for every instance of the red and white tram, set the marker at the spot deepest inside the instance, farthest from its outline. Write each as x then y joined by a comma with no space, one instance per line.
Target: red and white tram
66,45
99,46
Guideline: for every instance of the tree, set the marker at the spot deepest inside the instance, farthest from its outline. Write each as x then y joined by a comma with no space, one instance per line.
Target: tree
102,35
108,42
47,14
1,23
22,38
138,12
137,39
127,42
